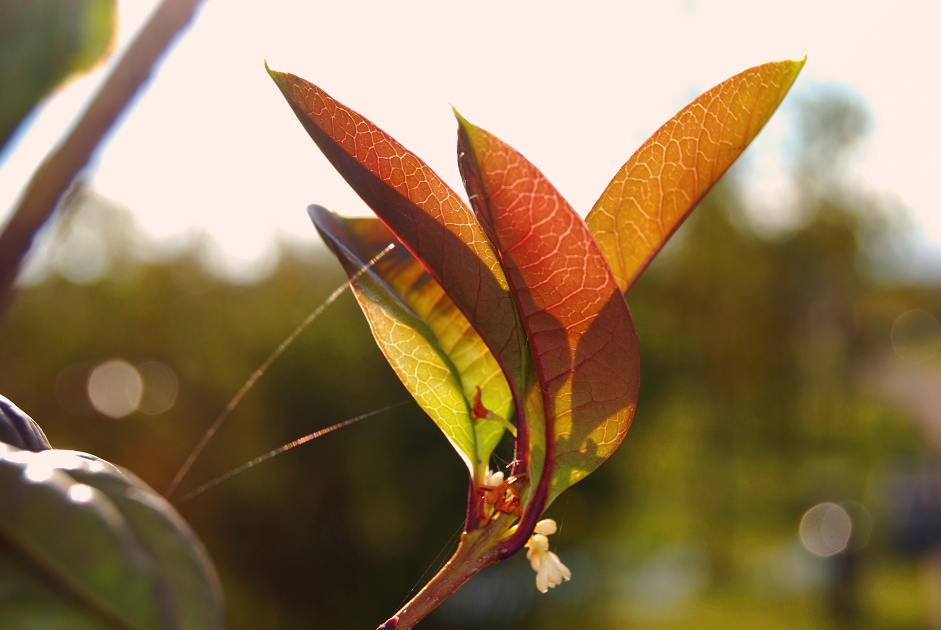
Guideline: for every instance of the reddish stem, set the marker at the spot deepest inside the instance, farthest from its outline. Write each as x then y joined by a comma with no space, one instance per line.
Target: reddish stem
476,550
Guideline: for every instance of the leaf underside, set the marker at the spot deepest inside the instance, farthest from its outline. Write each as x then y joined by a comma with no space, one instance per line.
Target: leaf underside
429,343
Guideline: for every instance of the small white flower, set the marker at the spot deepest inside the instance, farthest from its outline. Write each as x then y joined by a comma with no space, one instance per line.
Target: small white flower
492,493
546,527
549,569
493,479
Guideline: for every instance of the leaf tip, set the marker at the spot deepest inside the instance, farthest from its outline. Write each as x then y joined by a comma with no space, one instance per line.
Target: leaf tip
461,121
276,76
793,65
798,64
793,69
314,211
468,132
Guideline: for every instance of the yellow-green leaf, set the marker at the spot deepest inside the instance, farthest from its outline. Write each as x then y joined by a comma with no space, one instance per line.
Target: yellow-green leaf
434,350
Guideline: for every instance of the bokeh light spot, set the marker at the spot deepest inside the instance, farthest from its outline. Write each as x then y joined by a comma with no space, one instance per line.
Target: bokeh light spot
862,525
825,529
115,388
160,387
82,255
916,336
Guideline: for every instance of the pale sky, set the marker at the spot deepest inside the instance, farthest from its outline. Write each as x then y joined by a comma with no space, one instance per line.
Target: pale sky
212,147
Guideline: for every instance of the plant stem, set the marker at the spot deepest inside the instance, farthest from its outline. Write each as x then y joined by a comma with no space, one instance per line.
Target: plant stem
54,176
476,550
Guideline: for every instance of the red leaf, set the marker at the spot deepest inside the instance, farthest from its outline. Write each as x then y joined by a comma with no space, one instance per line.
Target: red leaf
578,325
421,210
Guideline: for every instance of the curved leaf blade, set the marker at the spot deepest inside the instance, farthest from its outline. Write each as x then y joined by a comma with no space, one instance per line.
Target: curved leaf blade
662,182
188,580
423,335
577,323
90,555
421,210
19,430
91,546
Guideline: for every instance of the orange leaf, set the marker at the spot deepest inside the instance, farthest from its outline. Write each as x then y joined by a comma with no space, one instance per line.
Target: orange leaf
663,181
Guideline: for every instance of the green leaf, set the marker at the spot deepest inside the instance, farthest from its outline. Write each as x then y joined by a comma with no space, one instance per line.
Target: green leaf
84,544
429,343
578,325
423,213
666,177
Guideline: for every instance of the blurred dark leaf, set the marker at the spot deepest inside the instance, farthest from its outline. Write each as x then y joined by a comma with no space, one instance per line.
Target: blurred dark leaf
85,544
43,43
19,430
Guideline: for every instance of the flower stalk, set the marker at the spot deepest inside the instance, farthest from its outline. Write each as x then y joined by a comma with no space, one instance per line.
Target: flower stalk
476,550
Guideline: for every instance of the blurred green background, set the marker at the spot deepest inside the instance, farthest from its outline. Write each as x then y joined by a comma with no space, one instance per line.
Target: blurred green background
780,371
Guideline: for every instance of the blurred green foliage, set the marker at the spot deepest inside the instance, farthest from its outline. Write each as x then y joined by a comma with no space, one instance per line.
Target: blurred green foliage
43,43
757,402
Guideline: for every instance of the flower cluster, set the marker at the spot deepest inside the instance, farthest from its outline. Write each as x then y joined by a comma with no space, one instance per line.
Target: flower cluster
493,479
549,569
493,489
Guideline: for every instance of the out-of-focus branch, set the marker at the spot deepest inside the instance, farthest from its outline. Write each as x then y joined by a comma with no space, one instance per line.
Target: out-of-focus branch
54,176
